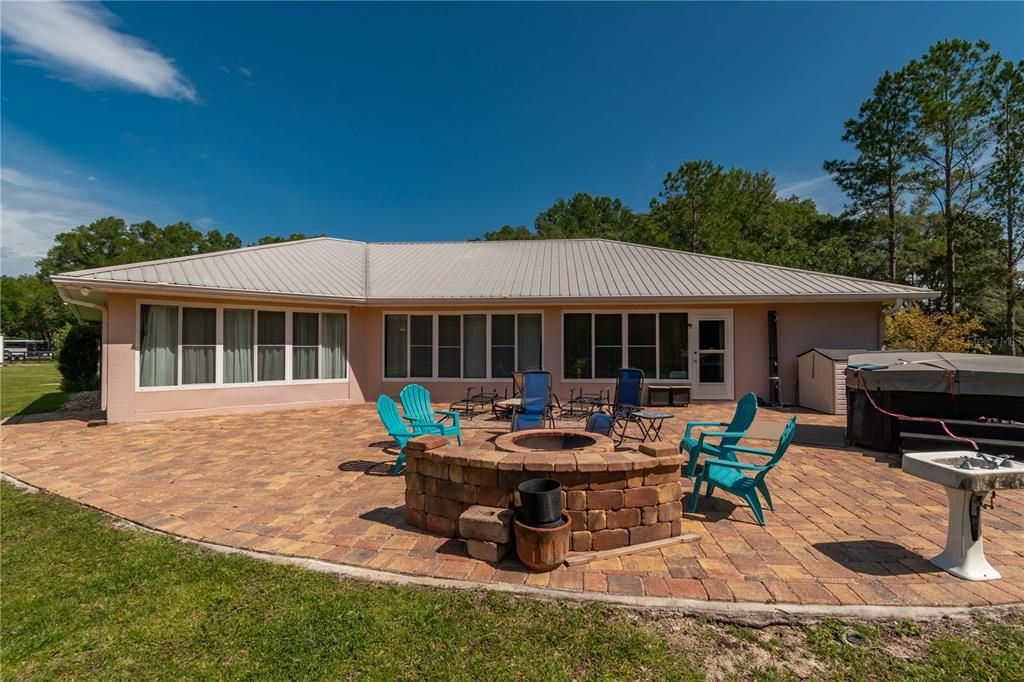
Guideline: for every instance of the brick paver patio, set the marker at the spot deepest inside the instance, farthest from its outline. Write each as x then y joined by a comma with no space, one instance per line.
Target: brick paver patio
850,527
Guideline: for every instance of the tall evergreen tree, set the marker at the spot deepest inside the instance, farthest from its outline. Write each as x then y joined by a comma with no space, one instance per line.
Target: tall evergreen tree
951,88
1004,184
877,180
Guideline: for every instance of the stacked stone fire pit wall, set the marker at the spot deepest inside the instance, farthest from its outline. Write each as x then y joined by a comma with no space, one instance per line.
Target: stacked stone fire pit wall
613,499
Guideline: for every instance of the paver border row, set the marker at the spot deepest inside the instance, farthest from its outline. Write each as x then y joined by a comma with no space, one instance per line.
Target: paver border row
743,613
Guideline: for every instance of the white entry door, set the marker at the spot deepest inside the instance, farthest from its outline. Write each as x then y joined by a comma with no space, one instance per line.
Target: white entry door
710,344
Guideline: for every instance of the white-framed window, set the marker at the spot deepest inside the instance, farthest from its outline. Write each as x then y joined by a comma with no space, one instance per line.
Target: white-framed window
458,346
595,345
201,346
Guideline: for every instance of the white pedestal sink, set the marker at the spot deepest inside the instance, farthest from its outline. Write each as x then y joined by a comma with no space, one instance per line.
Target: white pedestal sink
968,477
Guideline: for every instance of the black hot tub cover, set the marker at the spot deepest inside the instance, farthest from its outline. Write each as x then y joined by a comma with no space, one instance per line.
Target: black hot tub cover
956,373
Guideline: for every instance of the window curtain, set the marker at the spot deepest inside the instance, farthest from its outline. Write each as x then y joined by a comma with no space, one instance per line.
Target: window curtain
529,343
335,346
158,364
305,346
270,351
474,346
395,348
198,345
238,343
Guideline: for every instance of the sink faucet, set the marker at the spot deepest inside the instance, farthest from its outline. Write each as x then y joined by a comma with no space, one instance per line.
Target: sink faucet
994,461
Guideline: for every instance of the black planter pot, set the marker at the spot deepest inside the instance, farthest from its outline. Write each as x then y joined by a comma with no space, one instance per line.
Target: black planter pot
540,503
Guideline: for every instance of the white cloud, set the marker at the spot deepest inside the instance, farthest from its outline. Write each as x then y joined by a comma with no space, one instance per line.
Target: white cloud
77,42
820,189
33,210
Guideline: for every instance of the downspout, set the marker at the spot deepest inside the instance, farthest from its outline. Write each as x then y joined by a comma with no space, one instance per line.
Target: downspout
103,338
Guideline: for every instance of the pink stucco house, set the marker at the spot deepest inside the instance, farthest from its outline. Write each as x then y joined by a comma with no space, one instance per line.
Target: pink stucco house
330,321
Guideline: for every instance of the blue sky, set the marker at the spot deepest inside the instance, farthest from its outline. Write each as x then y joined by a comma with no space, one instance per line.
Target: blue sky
413,122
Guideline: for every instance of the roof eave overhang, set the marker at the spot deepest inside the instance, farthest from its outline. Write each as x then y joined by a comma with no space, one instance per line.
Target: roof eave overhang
156,289
652,300
149,289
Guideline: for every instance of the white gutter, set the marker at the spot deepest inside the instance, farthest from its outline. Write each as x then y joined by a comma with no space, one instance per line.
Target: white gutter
103,338
178,289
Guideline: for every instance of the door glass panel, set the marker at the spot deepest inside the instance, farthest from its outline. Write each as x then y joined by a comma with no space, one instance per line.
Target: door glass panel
711,335
712,368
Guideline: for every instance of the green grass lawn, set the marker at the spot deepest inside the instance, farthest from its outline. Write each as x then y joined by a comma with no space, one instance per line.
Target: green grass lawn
83,598
30,388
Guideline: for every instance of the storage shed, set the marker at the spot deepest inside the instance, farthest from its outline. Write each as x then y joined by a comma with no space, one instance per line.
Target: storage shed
822,379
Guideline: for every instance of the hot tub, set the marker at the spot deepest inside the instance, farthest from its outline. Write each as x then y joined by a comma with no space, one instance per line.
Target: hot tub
958,388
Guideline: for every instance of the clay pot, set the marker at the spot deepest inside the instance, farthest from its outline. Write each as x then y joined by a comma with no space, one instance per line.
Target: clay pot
542,549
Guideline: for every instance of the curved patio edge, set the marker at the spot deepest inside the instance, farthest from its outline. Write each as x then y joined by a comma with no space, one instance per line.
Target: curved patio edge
744,613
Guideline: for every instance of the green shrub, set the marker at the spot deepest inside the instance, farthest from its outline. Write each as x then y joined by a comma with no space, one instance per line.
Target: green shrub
79,359
58,338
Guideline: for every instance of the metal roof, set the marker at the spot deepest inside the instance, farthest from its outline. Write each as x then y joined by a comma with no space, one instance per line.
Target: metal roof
331,268
552,270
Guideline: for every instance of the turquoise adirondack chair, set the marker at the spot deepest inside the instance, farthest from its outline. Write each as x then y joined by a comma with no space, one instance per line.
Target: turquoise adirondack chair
746,409
420,414
396,427
728,475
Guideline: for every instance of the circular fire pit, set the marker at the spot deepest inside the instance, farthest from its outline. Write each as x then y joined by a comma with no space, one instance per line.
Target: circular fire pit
553,440
612,499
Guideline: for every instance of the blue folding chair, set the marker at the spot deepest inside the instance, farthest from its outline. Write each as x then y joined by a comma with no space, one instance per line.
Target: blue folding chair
746,410
728,475
420,413
629,391
535,411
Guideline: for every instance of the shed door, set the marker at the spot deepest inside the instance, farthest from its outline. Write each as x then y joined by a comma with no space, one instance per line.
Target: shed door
711,362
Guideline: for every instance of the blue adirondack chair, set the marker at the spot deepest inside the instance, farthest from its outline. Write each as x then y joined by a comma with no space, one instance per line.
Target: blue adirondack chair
396,427
746,410
536,408
728,475
420,414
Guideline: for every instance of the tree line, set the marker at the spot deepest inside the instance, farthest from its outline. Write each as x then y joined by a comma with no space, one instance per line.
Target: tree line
30,306
934,187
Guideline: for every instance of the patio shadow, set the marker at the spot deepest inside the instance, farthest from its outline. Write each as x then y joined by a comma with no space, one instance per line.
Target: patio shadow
876,557
710,510
389,516
367,467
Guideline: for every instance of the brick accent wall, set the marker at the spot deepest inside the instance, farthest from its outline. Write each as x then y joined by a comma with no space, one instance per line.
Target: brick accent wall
613,499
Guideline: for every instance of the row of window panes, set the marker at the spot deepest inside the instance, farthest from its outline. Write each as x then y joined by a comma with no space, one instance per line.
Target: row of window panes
254,345
656,343
462,345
